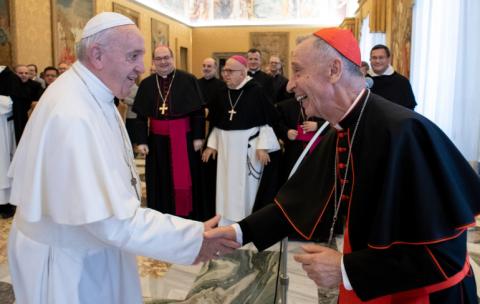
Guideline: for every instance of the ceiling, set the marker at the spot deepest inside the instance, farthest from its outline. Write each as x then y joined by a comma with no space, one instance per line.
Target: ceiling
199,13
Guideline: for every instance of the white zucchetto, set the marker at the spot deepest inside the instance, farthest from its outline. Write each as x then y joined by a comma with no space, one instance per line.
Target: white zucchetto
104,21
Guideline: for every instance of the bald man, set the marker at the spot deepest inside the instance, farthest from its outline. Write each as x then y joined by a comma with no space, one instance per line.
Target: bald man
210,86
241,139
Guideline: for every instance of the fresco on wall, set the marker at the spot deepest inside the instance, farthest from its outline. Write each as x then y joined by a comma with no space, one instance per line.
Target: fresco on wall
5,40
159,34
128,12
401,36
270,43
68,19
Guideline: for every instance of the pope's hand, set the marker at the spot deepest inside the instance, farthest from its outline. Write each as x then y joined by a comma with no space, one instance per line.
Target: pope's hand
216,243
322,265
221,232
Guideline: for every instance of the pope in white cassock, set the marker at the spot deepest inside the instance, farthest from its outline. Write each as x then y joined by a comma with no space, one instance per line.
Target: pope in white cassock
79,223
242,137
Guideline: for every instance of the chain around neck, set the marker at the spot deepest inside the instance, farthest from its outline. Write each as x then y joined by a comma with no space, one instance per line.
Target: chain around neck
338,201
164,99
127,149
233,105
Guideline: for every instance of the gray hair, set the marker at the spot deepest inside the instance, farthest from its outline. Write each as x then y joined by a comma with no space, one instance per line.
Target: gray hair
102,38
328,51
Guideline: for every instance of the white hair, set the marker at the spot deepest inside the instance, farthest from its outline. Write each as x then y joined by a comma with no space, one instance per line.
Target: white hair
102,38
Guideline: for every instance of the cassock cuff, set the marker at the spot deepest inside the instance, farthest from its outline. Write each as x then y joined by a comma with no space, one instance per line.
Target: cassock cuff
346,281
238,232
212,139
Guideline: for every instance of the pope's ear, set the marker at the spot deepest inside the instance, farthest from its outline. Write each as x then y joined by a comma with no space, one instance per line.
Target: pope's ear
95,55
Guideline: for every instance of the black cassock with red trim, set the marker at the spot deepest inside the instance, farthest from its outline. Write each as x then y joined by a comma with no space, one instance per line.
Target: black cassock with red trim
408,199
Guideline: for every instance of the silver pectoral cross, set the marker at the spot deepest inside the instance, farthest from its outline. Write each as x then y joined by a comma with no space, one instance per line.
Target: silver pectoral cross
232,112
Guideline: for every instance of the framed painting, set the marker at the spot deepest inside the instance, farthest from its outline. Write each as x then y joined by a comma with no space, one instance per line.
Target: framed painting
128,12
271,43
159,34
68,19
5,37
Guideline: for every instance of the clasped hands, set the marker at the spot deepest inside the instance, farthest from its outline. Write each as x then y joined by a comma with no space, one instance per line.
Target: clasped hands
322,264
216,243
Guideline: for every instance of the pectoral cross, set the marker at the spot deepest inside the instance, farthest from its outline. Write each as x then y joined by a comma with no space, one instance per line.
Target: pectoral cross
133,181
163,108
232,112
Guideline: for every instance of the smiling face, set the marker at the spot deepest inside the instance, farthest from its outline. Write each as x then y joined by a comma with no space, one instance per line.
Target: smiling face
254,61
311,79
275,64
209,67
379,61
123,60
32,71
23,72
163,60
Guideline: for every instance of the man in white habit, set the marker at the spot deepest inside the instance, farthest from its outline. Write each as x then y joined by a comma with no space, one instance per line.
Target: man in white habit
79,223
242,136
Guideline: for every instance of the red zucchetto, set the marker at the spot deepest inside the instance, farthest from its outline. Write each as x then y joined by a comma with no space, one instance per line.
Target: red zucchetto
343,41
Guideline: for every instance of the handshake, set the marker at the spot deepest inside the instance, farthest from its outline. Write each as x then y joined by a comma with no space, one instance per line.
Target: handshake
217,241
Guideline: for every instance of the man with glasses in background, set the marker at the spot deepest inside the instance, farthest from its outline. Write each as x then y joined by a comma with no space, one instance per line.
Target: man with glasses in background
170,132
388,83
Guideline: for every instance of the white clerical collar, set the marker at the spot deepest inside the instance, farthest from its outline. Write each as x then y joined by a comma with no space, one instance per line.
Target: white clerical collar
337,125
253,72
389,71
100,91
2,67
166,76
247,79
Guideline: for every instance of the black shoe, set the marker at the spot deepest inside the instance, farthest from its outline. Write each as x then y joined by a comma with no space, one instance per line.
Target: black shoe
7,211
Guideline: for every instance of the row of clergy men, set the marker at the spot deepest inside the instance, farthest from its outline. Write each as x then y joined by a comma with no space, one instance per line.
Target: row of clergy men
27,87
253,139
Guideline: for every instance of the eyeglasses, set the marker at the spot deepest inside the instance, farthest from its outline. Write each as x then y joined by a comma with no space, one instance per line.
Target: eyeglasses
228,71
164,58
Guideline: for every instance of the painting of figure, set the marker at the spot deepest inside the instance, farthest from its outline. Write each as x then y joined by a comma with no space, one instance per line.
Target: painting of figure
5,38
159,34
68,19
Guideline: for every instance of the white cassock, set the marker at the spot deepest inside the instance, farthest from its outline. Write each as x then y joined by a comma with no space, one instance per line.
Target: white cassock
78,224
7,146
238,169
